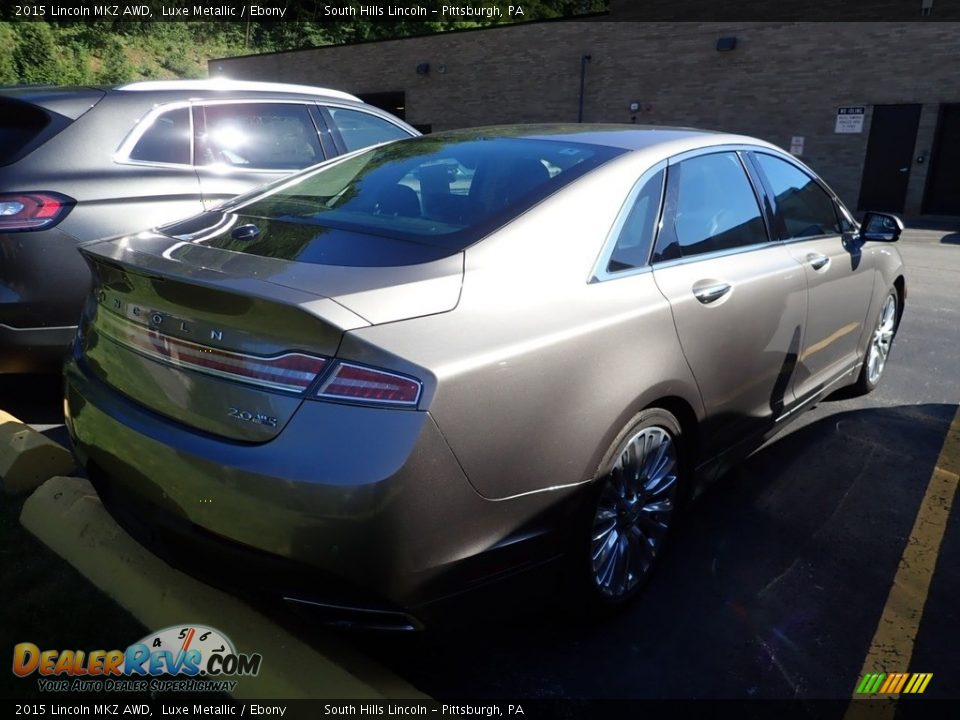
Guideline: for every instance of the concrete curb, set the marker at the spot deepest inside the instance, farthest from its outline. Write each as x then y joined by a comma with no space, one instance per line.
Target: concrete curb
27,457
65,513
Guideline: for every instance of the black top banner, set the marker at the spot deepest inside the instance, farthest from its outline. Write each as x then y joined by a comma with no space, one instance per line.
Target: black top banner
481,12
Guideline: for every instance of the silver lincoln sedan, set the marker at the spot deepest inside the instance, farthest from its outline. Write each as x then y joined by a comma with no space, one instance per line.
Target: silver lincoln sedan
427,366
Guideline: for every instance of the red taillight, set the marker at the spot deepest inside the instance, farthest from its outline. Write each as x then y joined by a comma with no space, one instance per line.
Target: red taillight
291,372
363,384
32,211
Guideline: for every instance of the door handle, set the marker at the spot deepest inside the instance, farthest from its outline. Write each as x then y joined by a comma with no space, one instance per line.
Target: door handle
818,261
711,293
906,169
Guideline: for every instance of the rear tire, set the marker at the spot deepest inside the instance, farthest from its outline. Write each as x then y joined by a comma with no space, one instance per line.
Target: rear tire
881,342
628,512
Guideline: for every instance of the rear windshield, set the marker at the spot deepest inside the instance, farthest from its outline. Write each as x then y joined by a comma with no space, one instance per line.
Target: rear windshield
20,124
446,192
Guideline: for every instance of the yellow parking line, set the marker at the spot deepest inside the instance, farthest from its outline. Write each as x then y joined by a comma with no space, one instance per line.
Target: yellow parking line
892,646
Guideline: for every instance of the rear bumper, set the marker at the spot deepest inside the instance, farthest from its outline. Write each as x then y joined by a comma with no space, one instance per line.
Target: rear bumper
242,569
43,284
357,508
33,349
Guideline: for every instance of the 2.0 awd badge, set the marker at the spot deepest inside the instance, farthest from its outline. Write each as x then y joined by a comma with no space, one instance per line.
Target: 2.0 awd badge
258,418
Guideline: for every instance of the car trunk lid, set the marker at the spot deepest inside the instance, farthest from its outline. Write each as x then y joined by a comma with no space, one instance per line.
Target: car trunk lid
228,342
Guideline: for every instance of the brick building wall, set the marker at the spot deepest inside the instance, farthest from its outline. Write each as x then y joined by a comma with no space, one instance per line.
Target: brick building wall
783,79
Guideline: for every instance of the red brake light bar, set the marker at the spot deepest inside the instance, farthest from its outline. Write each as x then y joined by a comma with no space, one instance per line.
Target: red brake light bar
290,372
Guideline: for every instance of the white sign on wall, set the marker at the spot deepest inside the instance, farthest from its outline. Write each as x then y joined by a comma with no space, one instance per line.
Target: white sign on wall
796,145
850,119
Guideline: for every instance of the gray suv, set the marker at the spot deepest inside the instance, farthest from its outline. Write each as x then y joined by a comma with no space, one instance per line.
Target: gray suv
77,164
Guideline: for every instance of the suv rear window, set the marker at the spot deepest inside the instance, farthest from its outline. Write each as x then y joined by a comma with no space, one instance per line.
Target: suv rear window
20,124
167,140
443,191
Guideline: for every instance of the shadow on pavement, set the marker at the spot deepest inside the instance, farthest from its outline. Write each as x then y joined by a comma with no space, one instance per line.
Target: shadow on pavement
34,399
772,586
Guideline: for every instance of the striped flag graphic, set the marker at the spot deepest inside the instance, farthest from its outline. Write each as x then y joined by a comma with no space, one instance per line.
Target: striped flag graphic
893,683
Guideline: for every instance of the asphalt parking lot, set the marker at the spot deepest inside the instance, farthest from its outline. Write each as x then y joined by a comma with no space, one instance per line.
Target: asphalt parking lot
774,586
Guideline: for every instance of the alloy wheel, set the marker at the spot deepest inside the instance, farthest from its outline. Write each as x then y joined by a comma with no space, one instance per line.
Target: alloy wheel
882,340
633,512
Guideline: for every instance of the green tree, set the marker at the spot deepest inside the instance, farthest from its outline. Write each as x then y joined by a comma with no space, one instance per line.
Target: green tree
60,51
35,54
8,71
116,68
73,65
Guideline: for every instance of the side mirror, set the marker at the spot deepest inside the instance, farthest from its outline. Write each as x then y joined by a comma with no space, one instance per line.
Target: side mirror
881,227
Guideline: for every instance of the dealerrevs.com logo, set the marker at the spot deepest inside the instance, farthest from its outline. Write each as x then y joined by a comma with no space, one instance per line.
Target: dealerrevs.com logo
188,658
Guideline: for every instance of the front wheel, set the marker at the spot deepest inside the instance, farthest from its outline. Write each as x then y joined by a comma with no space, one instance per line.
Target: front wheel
630,511
878,350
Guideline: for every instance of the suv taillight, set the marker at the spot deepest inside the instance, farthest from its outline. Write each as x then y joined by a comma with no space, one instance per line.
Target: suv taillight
33,210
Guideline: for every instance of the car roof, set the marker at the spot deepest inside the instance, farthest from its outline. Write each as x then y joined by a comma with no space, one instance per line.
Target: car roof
73,101
624,137
221,84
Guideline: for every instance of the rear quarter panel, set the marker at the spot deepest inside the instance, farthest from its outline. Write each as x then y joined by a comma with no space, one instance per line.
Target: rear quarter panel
537,369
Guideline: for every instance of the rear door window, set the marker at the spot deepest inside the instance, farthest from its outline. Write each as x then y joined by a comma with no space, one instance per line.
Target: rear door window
167,140
710,206
257,136
20,125
360,129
